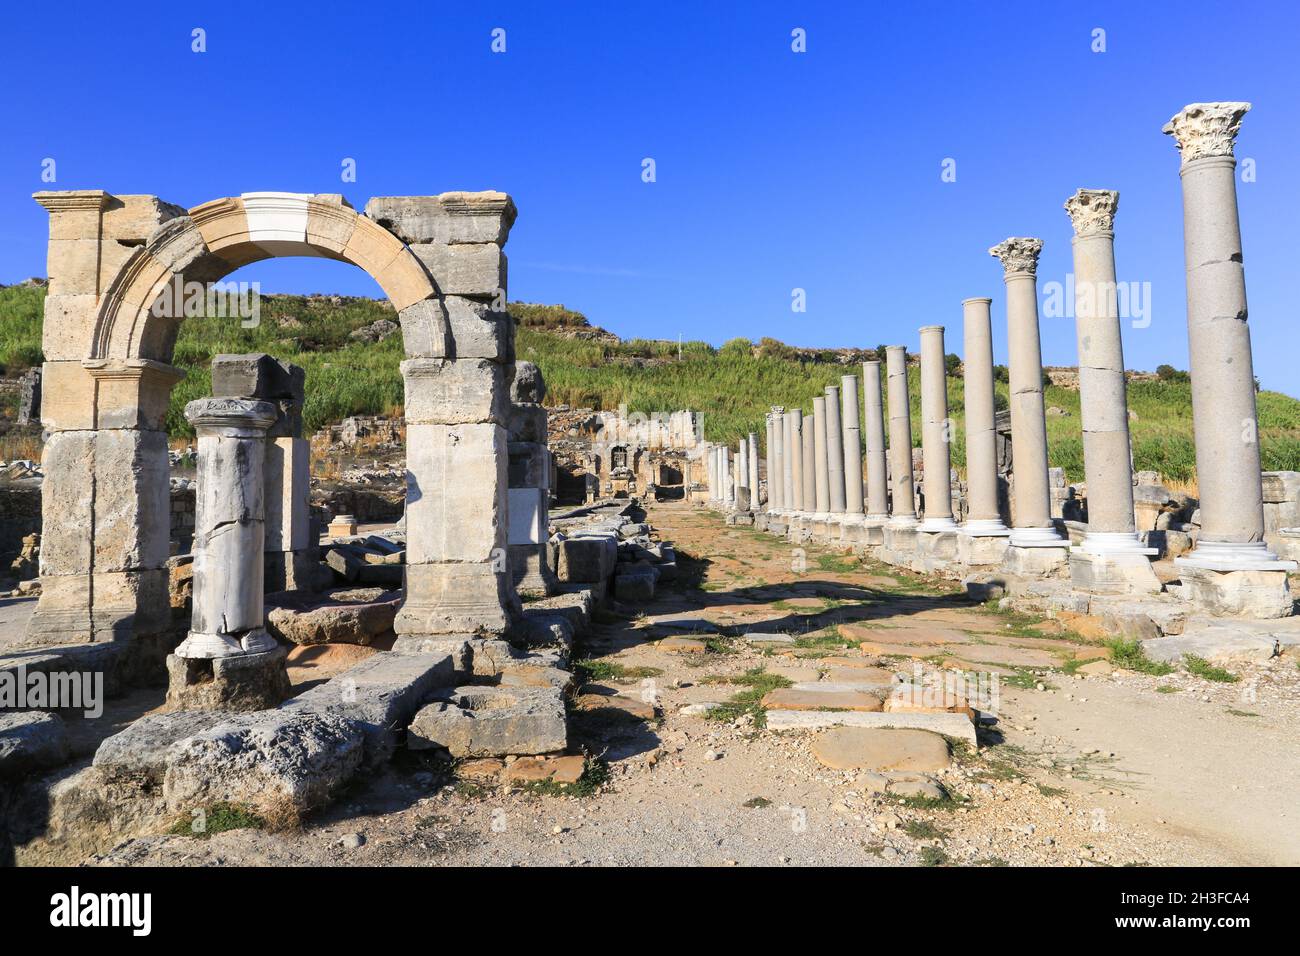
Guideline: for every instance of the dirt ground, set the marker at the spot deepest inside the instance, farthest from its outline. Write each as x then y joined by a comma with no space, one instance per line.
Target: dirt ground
1106,769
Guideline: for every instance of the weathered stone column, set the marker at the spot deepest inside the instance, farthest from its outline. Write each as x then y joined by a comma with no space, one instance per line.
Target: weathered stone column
852,445
983,538
934,433
796,460
877,464
787,477
903,514
776,477
809,453
773,484
529,480
228,660
1112,558
834,450
752,464
823,490
1032,520
1231,570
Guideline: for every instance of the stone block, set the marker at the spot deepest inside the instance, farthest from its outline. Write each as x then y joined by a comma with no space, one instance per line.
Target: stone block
476,270
1257,594
68,398
244,682
981,550
955,726
454,392
1036,562
277,762
586,559
453,217
635,585
344,617
456,493
257,375
1217,641
68,327
130,219
132,504
31,742
287,494
457,598
380,695
1113,573
492,722
426,330
138,754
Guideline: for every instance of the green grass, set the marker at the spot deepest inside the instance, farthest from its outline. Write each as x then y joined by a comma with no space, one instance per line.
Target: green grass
1129,655
933,856
1166,689
735,385
757,682
218,818
1207,671
924,830
593,669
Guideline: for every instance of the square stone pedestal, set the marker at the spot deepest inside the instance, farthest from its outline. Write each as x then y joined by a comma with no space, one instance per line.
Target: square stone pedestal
1040,562
1117,573
852,530
978,551
1244,593
778,525
819,527
241,682
899,545
935,550
873,532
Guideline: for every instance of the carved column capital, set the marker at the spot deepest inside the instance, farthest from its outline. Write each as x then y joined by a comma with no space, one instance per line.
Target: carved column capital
1092,211
1201,130
1018,254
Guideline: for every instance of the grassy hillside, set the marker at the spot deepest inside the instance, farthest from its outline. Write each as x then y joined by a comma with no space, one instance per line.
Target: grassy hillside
734,385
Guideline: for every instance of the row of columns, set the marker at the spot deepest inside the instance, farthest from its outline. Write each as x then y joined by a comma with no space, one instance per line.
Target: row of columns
816,468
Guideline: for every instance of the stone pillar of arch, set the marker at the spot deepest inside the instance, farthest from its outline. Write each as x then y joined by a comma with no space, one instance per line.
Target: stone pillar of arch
120,269
1231,570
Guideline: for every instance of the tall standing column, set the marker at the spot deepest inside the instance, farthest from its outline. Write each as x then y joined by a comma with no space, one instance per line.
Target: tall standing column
900,437
852,445
1103,397
820,463
776,476
751,448
787,478
934,432
877,466
770,462
1223,377
809,452
834,450
983,517
796,461
1033,525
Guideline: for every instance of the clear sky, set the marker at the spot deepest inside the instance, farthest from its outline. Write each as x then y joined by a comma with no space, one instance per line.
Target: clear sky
775,170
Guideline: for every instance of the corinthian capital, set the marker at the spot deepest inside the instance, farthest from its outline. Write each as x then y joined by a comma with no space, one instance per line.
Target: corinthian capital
1018,254
1206,129
1092,211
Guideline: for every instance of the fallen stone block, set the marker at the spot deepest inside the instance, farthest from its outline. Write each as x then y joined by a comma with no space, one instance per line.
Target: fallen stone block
635,585
1214,641
586,559
380,695
344,563
813,697
566,770
769,640
866,748
342,618
277,762
682,645
31,741
620,703
138,755
492,722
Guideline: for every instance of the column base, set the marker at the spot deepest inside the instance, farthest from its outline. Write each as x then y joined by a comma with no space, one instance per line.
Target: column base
1038,538
980,550
1241,593
1230,556
939,523
873,530
852,529
899,545
935,550
985,528
457,598
197,646
239,683
1113,542
1114,572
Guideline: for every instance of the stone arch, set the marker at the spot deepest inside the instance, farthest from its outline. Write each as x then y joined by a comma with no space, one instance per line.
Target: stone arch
105,508
216,238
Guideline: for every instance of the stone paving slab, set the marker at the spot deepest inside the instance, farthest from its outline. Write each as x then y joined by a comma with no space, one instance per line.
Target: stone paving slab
957,726
1226,641
885,748
819,696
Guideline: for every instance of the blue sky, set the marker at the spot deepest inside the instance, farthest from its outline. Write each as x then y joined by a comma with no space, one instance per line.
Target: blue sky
775,170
